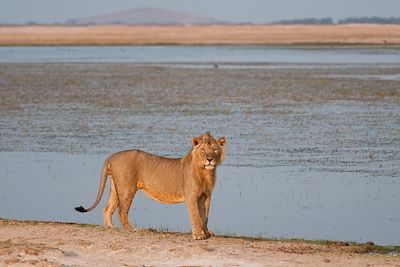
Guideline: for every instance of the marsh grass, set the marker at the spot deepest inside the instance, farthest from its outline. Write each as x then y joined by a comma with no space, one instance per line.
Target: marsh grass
322,245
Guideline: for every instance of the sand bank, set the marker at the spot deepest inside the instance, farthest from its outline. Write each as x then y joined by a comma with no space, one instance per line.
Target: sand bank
60,244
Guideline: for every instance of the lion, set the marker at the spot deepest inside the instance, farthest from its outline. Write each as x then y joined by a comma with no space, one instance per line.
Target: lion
189,179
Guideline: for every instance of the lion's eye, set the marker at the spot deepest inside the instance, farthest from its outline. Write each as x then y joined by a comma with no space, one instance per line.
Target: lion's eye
216,151
203,150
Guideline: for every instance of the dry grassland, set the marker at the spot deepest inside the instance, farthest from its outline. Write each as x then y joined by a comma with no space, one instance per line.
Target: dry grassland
203,35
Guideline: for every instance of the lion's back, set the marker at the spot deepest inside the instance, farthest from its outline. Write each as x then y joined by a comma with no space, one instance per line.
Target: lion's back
143,164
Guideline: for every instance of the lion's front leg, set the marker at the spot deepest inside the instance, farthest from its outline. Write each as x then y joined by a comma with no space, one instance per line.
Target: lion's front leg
192,204
204,206
207,206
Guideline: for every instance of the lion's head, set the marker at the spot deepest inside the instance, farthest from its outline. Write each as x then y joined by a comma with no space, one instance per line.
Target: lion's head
207,151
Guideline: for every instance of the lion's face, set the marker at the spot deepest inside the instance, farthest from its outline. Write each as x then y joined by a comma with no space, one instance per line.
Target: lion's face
207,151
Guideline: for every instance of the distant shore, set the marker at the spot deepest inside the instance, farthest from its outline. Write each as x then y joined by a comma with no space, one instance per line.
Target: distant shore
29,243
351,34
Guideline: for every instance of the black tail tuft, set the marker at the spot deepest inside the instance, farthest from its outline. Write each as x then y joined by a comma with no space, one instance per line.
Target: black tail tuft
80,209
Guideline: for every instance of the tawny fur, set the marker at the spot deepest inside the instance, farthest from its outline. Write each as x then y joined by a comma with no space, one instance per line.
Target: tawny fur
189,179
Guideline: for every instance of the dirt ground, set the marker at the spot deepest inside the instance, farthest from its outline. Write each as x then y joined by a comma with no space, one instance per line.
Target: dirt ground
214,34
27,243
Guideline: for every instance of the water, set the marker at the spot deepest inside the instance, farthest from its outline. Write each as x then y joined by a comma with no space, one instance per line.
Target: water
201,54
312,152
269,202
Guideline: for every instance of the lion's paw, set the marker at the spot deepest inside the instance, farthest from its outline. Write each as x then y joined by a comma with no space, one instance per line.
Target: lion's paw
199,235
209,233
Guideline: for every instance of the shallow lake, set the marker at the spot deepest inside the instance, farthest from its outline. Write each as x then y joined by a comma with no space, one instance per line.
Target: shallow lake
313,147
201,54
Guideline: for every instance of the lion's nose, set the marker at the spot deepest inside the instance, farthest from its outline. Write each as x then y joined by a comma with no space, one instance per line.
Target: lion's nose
209,158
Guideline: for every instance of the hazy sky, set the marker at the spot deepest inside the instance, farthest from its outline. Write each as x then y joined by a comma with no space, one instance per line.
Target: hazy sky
257,11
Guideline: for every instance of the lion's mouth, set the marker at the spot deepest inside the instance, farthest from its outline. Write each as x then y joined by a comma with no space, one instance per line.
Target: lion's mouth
209,167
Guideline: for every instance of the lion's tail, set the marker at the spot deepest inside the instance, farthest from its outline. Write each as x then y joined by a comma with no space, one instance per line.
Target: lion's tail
103,179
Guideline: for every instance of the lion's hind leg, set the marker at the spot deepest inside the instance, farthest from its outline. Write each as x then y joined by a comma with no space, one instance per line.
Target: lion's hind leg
125,201
112,205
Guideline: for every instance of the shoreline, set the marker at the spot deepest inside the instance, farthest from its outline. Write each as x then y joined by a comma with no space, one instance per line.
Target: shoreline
306,46
53,243
119,35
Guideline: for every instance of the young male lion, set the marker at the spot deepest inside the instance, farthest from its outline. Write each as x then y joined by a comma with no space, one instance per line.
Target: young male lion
189,179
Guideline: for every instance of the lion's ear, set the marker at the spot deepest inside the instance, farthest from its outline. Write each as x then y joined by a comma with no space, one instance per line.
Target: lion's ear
221,141
195,141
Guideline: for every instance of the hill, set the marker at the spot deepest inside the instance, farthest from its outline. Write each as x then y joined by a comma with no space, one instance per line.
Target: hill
146,16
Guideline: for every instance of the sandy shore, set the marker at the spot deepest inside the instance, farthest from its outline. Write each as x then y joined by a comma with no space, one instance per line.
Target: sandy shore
217,34
61,244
